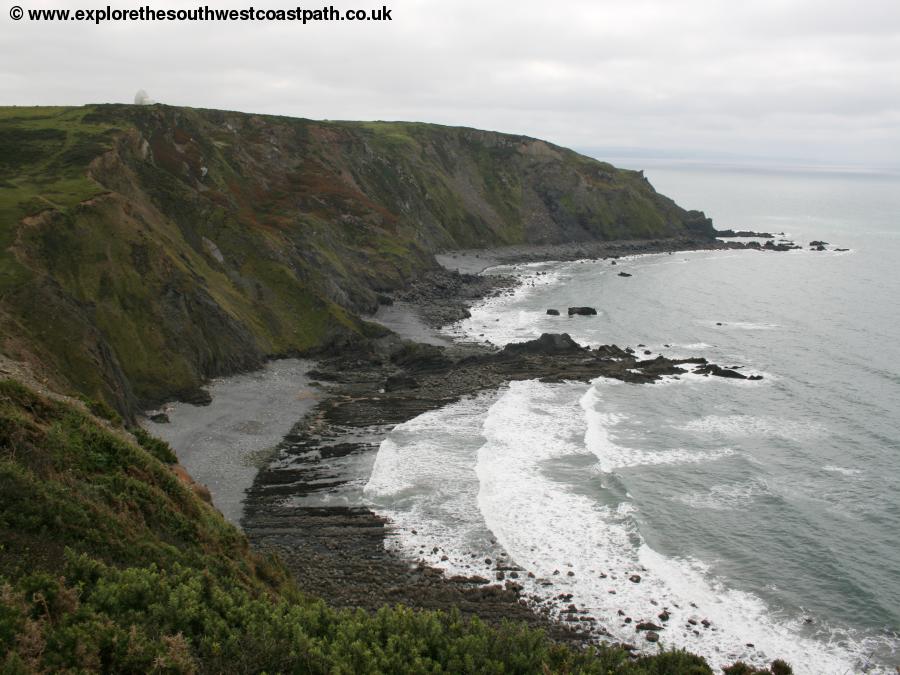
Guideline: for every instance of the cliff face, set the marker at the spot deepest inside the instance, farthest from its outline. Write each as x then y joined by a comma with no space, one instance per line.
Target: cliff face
143,249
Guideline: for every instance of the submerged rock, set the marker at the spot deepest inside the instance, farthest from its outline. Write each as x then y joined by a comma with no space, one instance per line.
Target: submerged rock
553,312
719,371
624,274
786,246
582,311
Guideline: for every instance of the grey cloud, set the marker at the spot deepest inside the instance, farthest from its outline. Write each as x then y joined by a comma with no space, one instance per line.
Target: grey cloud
769,77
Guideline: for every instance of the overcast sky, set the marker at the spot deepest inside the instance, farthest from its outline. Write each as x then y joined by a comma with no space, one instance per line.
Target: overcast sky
811,80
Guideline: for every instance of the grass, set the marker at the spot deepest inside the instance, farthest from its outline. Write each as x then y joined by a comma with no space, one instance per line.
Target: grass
43,156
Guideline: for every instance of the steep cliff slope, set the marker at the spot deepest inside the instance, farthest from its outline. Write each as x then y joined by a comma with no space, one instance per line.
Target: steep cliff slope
143,249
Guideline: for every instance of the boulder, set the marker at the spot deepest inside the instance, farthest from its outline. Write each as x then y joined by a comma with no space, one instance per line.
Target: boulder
770,245
611,352
624,274
160,418
635,578
582,311
196,397
719,371
398,382
652,636
553,312
420,357
647,625
547,344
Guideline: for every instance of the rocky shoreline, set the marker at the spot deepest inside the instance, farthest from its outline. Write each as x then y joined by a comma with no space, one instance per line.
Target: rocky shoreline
444,295
307,505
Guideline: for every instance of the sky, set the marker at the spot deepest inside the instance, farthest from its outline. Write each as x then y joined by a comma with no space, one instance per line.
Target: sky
782,81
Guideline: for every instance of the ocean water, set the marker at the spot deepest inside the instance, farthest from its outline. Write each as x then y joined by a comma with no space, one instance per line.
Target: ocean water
769,509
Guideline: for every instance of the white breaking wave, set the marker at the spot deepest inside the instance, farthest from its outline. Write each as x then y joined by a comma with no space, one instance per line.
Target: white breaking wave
612,456
727,497
552,531
480,480
424,481
517,325
736,426
843,470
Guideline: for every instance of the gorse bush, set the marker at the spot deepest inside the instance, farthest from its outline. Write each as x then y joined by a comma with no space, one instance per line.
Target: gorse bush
109,563
155,446
101,409
145,619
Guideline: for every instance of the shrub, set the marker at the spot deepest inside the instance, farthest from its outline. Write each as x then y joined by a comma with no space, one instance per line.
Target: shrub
155,446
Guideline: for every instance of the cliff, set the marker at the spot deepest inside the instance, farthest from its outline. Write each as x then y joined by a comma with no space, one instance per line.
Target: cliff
146,248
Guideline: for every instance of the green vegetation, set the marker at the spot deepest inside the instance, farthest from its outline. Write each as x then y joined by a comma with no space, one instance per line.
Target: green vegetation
110,563
43,156
778,667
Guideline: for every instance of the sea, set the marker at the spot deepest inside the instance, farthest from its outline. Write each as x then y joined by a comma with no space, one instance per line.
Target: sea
760,518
